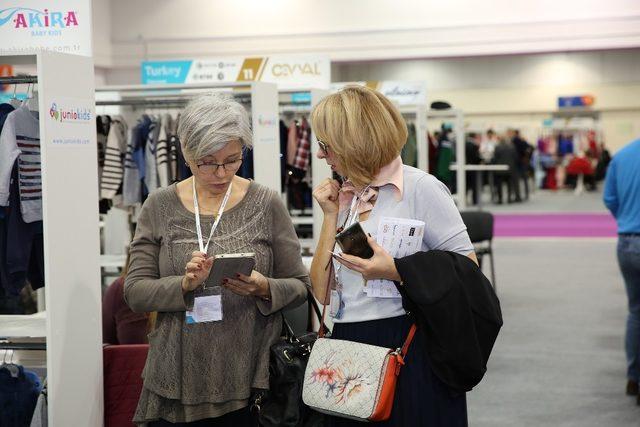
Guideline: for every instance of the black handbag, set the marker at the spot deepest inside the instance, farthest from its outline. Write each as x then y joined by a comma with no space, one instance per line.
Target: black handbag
281,405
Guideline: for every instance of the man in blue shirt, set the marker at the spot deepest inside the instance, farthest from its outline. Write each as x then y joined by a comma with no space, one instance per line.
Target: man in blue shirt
622,197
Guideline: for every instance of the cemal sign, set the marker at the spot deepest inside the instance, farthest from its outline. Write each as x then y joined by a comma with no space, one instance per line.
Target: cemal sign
290,70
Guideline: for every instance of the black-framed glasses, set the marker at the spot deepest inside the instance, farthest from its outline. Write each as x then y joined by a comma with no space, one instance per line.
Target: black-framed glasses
324,147
212,168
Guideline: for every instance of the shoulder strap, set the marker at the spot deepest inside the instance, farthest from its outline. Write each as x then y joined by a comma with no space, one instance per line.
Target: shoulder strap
323,326
407,342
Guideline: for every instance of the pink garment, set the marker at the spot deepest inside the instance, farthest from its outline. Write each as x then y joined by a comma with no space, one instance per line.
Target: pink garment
390,174
292,144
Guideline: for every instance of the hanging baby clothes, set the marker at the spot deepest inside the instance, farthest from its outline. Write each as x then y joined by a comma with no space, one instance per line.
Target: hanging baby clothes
115,152
8,304
19,390
163,164
102,127
150,161
134,164
20,140
303,149
298,156
25,245
410,149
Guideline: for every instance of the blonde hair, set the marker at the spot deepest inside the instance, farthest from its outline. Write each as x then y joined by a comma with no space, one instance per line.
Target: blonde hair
363,128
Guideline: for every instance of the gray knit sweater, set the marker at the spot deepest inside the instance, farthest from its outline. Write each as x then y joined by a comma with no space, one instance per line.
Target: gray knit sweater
208,369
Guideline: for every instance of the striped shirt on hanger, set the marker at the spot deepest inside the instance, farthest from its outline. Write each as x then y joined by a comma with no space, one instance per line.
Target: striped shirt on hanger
113,170
20,141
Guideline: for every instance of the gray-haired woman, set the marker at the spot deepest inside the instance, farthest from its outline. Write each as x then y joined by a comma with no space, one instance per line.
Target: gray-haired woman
203,371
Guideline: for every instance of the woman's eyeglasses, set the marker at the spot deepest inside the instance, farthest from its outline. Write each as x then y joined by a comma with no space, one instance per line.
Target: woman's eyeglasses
212,168
324,147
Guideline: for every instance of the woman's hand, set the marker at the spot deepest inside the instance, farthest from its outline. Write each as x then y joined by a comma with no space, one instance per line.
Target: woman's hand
196,271
255,285
327,196
379,266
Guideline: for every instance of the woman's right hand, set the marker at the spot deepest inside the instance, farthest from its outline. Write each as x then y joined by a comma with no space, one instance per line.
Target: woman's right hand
327,196
196,271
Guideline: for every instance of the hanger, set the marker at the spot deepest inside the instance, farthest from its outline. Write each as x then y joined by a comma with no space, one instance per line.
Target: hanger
13,369
32,99
15,102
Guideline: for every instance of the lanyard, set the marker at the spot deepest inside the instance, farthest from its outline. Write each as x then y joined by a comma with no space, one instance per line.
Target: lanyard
352,216
204,248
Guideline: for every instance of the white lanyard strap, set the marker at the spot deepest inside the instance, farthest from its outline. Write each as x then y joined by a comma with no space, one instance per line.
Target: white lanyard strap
353,210
203,247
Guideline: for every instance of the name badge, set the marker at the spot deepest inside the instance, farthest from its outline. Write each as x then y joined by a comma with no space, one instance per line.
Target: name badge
207,307
336,305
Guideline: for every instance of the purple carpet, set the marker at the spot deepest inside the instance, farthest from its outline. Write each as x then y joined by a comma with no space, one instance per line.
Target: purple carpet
555,225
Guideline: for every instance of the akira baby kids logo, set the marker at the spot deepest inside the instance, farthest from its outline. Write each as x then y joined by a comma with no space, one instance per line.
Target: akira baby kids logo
70,115
22,17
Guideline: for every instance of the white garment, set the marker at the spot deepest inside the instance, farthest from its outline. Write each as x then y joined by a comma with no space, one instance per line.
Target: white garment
20,139
150,161
40,415
487,149
113,170
131,178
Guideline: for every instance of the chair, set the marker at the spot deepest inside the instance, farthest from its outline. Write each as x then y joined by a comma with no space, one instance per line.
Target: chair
480,229
123,365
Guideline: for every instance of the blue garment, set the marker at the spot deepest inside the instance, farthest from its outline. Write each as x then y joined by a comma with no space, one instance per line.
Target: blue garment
25,245
565,145
141,132
18,396
629,261
421,399
622,188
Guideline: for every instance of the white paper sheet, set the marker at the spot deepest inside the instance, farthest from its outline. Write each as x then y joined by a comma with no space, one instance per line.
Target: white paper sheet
400,237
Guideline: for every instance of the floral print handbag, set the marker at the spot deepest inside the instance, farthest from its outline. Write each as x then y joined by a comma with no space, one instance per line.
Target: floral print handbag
350,379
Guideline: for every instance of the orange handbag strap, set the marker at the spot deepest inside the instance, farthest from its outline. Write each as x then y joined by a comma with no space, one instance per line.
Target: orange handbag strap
407,342
322,331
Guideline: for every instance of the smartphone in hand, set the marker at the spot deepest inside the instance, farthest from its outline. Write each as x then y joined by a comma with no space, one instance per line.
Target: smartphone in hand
353,241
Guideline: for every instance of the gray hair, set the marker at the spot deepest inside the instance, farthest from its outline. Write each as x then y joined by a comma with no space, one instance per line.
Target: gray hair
209,122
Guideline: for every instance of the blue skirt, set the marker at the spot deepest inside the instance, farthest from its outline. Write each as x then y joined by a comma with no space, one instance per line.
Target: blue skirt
421,399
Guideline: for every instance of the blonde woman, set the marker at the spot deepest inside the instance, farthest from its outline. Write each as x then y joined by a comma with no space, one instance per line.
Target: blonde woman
361,135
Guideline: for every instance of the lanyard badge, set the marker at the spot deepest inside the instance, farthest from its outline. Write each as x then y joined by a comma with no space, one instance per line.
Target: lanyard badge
203,247
207,303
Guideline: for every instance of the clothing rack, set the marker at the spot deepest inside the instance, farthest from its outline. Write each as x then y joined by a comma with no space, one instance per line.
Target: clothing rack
18,80
262,98
319,168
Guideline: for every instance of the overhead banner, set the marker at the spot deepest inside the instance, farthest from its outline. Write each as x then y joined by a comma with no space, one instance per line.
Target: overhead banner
400,92
576,101
288,72
30,26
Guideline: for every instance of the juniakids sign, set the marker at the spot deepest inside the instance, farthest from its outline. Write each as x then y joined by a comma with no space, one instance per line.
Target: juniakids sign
288,72
29,26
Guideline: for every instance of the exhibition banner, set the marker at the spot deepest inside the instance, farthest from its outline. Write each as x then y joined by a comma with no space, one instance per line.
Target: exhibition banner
288,72
31,26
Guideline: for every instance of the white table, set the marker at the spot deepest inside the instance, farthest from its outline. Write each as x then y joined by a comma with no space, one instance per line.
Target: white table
479,169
